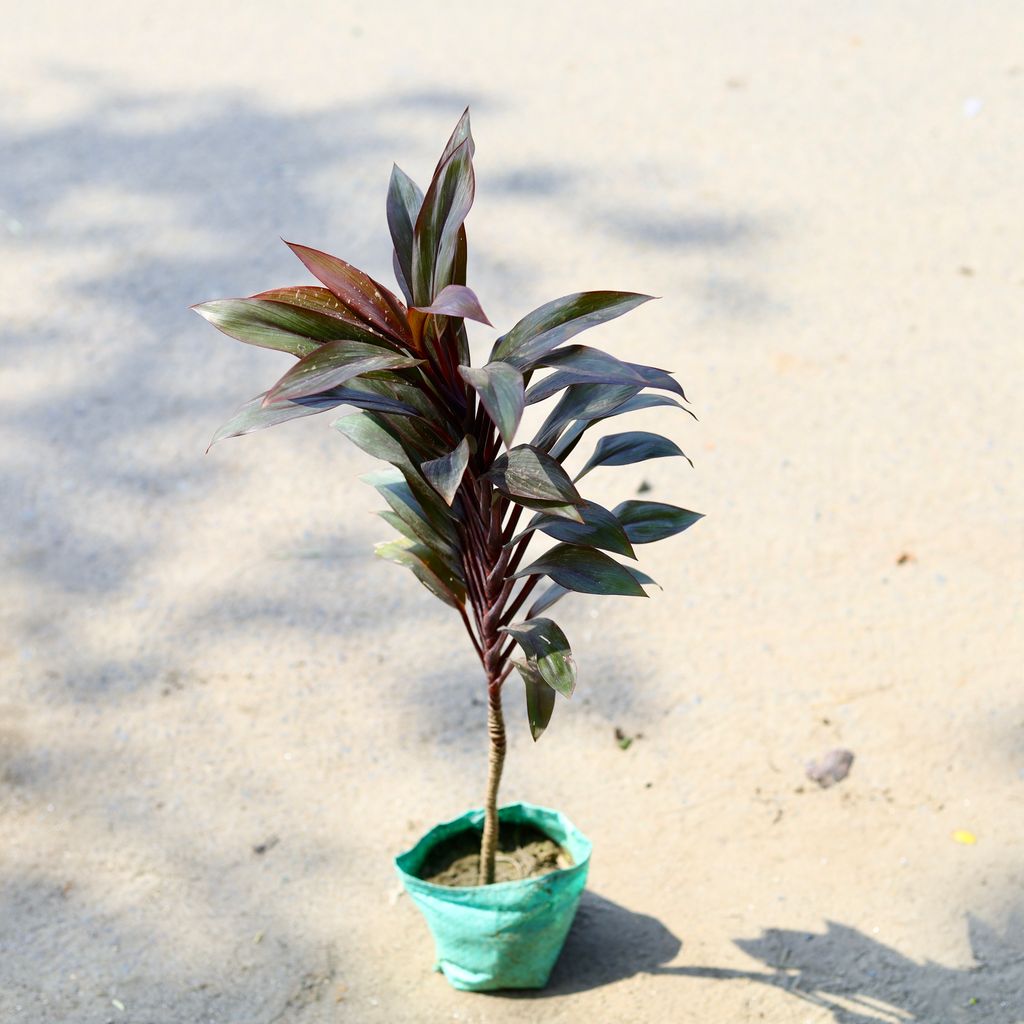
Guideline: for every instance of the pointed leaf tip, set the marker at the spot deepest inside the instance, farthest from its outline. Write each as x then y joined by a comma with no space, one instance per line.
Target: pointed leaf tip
649,521
630,447
445,474
540,698
586,571
543,330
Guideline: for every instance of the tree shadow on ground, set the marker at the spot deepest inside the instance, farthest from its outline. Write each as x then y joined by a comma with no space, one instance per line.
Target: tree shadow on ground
858,979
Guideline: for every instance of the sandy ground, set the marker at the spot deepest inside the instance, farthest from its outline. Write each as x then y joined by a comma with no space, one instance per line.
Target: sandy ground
199,656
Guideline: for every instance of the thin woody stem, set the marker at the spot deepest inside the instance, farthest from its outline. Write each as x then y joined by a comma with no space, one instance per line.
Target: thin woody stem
495,763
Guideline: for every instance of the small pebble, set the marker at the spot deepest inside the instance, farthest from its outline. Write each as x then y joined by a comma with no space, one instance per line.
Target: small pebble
832,768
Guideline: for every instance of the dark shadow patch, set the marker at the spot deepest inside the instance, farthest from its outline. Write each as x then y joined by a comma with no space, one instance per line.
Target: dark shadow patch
860,980
607,943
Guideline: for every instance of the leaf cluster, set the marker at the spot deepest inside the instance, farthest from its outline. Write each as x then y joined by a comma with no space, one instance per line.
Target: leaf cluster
458,482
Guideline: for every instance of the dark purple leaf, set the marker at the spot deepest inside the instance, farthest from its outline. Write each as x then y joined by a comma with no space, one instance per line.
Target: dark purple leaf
630,447
649,521
584,570
580,364
568,441
527,474
655,378
599,529
583,402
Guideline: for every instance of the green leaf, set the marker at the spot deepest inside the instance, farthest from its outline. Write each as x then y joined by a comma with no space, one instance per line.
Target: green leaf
445,474
545,646
331,365
397,523
404,202
529,475
599,529
279,326
428,568
630,447
369,300
552,593
543,330
378,438
381,438
435,235
583,402
540,698
254,416
500,388
585,571
436,532
648,521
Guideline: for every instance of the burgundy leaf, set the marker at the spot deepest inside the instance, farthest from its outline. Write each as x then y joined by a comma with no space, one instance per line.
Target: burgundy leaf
371,301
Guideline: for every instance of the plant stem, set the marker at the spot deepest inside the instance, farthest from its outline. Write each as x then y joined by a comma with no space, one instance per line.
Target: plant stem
524,593
472,635
496,761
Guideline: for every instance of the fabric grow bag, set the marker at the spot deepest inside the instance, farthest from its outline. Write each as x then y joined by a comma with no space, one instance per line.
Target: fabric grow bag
506,935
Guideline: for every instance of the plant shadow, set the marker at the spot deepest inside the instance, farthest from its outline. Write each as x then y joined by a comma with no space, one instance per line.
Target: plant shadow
607,943
856,978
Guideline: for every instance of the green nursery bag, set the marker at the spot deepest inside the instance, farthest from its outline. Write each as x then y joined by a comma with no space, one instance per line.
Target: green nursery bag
506,935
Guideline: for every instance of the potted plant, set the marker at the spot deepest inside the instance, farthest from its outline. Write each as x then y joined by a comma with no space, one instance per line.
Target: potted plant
467,500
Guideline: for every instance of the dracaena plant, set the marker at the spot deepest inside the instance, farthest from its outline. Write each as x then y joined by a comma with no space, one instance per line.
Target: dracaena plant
465,496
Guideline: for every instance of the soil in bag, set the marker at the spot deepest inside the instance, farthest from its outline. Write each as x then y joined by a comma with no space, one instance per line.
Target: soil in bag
523,852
